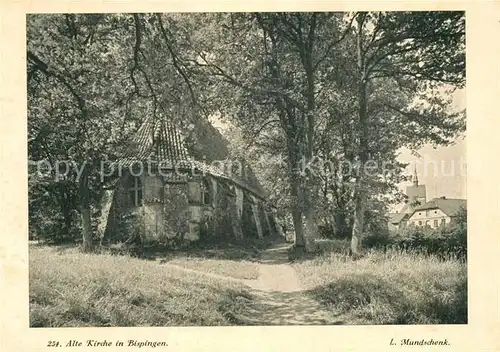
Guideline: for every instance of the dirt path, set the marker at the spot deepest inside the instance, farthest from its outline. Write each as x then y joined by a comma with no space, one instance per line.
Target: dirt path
280,297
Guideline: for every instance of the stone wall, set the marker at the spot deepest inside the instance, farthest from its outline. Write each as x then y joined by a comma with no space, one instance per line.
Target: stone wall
173,212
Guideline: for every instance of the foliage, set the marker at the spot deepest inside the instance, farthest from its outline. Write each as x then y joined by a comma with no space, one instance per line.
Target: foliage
90,83
289,87
47,224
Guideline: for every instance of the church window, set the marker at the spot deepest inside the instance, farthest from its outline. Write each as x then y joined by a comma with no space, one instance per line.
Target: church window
205,193
435,223
420,223
443,221
135,191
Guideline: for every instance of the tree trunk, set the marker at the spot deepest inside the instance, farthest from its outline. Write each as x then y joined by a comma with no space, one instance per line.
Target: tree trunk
310,187
298,225
87,229
85,211
311,228
359,199
357,228
299,240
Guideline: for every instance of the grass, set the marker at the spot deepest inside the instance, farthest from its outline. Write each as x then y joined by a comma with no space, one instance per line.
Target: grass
236,269
389,288
70,289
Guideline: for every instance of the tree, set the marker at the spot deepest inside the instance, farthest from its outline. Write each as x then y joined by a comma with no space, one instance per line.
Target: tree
73,112
268,76
91,79
418,51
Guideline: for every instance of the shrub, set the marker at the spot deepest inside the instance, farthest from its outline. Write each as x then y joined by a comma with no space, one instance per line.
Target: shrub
380,240
330,230
444,242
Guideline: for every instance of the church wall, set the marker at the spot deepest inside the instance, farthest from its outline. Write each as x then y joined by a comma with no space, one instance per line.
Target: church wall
248,220
119,212
216,221
152,207
239,201
174,211
264,220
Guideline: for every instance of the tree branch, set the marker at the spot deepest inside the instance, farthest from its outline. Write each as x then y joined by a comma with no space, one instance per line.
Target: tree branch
174,58
259,130
43,67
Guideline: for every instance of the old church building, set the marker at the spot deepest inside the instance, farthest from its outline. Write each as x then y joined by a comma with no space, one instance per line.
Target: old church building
176,187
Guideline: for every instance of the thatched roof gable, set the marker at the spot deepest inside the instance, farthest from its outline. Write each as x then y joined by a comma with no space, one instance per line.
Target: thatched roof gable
165,143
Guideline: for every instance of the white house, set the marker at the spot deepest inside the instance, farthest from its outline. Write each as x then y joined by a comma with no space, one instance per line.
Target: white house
437,212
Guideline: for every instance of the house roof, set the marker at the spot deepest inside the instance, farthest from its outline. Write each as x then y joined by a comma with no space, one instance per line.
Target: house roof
396,218
408,208
165,144
449,206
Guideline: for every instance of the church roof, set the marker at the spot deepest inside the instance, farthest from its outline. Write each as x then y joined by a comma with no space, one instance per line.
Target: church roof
165,144
157,141
415,191
449,206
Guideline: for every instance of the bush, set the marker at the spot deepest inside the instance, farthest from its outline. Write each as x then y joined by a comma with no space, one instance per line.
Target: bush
47,224
379,240
445,242
331,231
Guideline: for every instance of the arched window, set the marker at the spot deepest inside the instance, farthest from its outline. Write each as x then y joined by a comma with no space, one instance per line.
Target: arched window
135,191
205,192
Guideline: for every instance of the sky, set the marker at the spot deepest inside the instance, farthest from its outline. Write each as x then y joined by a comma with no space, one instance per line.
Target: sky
442,169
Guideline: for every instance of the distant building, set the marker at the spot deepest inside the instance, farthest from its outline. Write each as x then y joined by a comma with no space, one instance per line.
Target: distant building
416,195
418,212
437,212
397,221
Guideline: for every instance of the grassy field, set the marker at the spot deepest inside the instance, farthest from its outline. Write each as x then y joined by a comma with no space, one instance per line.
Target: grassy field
389,288
235,269
69,288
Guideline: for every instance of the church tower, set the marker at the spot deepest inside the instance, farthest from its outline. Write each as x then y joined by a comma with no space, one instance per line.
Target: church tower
416,193
415,176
